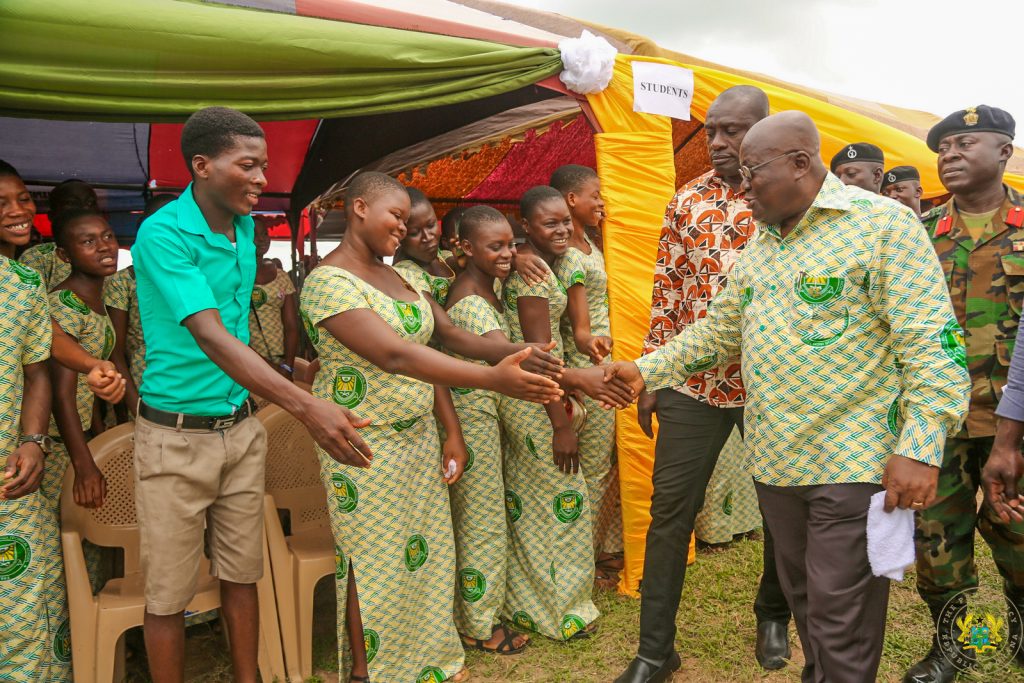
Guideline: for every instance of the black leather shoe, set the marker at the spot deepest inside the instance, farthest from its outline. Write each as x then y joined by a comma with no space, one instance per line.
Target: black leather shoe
934,668
640,671
772,649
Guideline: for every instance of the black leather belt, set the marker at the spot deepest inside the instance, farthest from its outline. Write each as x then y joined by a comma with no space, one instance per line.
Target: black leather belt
184,421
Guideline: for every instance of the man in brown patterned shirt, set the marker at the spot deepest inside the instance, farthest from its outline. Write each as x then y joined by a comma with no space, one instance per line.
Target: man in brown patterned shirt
707,224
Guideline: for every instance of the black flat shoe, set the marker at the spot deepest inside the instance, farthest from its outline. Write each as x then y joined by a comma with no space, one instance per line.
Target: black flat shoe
640,671
772,649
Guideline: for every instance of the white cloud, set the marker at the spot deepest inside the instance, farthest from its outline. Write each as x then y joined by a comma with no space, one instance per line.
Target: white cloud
934,55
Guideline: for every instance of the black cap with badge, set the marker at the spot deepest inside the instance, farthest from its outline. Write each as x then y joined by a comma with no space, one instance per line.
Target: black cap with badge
899,174
979,119
857,151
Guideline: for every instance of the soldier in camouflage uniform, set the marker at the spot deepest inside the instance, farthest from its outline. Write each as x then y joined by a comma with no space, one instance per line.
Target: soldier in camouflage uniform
979,238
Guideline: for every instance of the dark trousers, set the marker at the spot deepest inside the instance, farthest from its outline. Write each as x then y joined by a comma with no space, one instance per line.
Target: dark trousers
691,434
822,554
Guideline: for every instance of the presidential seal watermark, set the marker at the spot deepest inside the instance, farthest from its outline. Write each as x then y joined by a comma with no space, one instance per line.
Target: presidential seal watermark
979,630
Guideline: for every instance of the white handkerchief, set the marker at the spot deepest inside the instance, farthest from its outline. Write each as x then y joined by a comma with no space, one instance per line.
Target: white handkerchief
890,539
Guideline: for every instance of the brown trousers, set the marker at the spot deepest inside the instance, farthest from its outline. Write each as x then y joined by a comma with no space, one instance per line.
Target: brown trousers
822,557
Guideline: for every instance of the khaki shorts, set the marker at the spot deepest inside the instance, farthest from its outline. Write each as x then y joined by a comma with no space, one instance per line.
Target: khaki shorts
187,480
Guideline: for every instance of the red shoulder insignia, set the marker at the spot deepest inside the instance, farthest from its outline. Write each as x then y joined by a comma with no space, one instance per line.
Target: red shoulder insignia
944,225
1015,216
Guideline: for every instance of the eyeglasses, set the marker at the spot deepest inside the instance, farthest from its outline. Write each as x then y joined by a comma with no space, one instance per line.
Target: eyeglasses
747,172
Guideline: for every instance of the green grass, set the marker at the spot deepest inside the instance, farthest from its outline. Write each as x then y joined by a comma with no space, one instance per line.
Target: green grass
716,634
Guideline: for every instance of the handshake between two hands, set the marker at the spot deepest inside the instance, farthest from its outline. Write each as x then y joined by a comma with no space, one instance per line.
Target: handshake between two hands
615,385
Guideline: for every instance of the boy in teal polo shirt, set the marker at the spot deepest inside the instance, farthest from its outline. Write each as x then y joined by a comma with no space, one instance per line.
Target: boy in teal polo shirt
197,458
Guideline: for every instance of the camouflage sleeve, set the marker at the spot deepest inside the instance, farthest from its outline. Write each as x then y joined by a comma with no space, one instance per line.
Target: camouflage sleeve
908,290
1011,405
708,343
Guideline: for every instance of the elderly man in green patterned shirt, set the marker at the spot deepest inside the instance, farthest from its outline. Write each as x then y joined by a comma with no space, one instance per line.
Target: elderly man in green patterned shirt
854,368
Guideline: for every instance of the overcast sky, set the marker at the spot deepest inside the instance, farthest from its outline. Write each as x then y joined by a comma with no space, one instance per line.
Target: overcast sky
934,55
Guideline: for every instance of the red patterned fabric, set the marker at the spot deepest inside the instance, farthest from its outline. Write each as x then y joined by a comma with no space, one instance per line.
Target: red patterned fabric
706,227
531,162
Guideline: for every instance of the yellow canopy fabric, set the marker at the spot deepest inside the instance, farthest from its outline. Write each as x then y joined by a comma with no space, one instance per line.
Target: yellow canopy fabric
841,120
637,170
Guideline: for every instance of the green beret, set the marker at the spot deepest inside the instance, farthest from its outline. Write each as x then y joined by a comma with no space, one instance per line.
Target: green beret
857,151
980,119
897,174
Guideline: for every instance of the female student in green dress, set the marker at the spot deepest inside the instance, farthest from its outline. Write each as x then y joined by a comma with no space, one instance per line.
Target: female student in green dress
391,519
418,262
551,571
587,334
273,313
88,245
478,499
419,257
587,331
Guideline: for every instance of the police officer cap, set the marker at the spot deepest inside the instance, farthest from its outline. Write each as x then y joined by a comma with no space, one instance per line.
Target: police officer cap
898,174
857,151
980,119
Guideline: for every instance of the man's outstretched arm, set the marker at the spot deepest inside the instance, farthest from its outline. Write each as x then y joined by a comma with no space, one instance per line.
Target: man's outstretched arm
332,426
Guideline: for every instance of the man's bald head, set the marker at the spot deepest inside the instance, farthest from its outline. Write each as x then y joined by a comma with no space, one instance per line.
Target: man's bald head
781,157
729,118
748,98
785,131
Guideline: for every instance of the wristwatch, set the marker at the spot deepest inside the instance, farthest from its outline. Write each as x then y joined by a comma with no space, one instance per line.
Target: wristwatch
44,441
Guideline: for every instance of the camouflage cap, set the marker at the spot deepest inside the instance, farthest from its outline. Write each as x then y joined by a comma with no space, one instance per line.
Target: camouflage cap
979,119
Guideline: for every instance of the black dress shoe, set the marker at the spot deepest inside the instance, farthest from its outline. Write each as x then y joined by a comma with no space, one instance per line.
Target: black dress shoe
772,649
934,668
641,671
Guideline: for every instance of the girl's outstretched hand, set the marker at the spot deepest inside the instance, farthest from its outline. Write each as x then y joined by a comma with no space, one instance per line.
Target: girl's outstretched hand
512,380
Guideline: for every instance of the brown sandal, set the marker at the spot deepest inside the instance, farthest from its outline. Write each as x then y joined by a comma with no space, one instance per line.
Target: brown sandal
612,563
505,647
606,580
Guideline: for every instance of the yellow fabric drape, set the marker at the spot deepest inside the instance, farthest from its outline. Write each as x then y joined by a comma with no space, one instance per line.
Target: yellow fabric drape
845,119
838,126
637,170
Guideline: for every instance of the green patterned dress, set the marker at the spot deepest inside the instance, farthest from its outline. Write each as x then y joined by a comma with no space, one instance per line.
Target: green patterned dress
598,436
34,633
478,499
266,323
551,560
392,521
42,258
119,293
95,333
419,277
730,502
